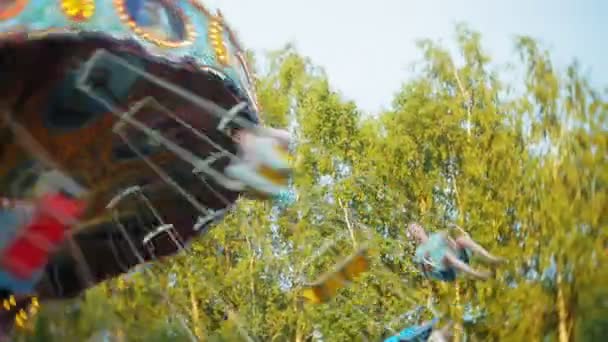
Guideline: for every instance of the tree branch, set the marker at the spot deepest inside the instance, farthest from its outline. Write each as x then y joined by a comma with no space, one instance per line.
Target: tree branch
348,224
196,318
467,97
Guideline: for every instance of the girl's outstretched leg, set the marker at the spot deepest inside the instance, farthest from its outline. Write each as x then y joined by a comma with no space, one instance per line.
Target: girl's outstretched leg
457,264
466,242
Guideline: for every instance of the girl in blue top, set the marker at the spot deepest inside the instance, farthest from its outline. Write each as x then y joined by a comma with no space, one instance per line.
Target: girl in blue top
440,256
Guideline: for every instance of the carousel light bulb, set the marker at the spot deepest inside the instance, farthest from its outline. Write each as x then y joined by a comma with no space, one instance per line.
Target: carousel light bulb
19,322
78,9
23,314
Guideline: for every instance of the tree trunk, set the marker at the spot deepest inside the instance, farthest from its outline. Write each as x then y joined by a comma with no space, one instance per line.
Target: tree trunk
458,325
468,100
195,312
251,271
562,312
299,326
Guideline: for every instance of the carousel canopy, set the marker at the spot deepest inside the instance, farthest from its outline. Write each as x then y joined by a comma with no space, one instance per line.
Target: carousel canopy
175,30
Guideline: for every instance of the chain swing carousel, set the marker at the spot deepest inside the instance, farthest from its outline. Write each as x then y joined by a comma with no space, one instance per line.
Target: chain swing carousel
117,120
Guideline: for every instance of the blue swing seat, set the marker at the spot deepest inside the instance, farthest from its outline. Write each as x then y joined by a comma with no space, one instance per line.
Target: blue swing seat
415,333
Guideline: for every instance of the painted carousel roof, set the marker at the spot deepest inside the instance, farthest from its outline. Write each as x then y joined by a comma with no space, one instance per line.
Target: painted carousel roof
175,30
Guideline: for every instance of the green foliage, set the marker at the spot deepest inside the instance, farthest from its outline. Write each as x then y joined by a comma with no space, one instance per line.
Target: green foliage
524,174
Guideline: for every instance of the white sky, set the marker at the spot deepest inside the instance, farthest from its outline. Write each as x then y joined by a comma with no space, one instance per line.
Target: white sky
367,49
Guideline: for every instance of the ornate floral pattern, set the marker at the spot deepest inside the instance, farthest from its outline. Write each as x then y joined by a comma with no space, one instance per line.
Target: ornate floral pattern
160,22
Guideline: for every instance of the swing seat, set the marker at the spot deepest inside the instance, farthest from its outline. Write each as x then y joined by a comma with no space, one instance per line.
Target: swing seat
273,155
24,258
265,169
344,273
261,182
416,333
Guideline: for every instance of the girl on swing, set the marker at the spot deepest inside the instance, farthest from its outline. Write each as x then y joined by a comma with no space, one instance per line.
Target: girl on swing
263,165
440,256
